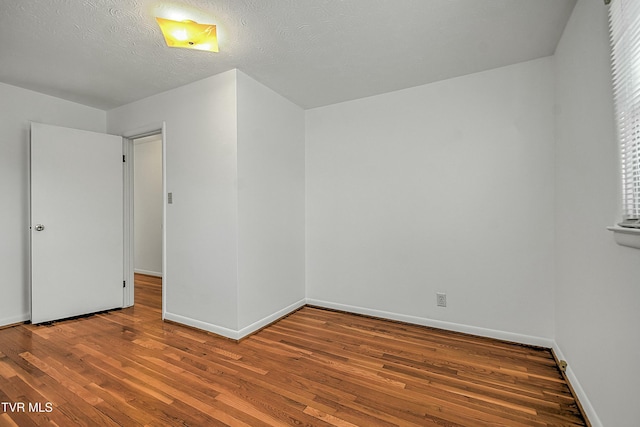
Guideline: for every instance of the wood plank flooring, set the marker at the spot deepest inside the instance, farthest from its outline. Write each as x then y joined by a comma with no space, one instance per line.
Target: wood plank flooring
312,368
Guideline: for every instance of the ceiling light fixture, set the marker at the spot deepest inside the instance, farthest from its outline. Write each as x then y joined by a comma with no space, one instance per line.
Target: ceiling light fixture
189,34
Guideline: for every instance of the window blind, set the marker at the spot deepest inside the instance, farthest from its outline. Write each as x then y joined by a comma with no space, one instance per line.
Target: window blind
624,25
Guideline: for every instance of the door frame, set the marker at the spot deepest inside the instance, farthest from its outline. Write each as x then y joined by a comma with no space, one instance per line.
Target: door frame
129,232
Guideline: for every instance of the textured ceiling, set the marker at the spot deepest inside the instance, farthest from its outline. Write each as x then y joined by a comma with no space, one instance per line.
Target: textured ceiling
106,53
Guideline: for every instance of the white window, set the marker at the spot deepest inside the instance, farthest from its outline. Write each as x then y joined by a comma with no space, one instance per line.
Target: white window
624,24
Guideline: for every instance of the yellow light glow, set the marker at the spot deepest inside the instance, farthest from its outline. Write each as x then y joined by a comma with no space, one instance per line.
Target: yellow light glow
180,35
189,34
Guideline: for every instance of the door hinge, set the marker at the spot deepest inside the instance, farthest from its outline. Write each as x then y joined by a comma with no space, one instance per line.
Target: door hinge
124,158
124,283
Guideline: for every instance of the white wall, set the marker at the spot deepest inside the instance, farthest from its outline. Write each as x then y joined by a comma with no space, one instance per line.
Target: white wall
235,232
270,203
18,107
148,206
598,282
447,187
202,222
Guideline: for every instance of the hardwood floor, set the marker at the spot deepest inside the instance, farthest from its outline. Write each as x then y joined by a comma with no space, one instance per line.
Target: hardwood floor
313,368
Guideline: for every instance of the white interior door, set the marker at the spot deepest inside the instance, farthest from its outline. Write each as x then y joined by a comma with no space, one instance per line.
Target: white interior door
76,222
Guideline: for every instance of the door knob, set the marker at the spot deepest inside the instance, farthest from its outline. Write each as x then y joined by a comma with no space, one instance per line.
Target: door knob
39,227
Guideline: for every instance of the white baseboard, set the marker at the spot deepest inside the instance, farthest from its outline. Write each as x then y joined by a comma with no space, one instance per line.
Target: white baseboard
577,388
256,326
148,273
457,327
209,327
230,333
5,321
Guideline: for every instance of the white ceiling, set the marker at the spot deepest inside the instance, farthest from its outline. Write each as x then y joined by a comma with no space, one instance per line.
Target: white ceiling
106,53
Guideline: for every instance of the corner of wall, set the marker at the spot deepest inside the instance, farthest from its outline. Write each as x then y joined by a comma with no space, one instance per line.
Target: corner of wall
579,392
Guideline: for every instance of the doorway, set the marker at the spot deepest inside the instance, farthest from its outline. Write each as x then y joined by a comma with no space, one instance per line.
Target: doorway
147,215
145,211
113,252
147,202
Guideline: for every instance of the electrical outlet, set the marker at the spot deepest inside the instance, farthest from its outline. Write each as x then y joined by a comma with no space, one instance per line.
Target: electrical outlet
441,299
